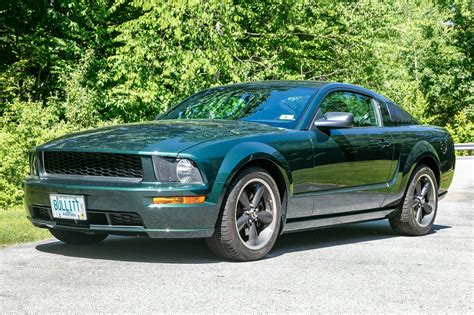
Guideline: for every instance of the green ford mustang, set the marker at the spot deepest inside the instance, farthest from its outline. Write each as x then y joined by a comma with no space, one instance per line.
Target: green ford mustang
241,164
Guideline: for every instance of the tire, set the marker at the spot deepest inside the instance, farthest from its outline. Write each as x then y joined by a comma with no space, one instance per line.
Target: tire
236,243
408,220
77,238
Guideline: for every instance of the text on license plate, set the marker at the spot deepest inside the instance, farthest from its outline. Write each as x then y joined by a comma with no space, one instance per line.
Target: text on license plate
68,207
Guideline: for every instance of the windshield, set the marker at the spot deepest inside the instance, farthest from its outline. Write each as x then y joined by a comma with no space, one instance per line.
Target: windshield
277,106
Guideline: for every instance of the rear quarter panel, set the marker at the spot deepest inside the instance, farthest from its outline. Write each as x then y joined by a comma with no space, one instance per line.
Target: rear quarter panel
412,145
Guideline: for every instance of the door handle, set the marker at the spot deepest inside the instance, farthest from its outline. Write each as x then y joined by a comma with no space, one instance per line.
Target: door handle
383,143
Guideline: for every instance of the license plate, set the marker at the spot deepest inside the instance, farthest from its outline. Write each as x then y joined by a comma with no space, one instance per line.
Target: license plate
68,207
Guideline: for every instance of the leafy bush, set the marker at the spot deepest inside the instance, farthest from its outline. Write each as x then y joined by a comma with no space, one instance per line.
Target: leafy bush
462,129
23,125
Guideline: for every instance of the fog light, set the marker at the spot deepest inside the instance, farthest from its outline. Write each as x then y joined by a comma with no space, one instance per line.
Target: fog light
179,200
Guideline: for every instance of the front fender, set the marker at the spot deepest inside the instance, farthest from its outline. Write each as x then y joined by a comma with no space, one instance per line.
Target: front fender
238,157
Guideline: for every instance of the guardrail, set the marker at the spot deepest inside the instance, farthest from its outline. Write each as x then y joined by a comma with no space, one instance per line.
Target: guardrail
464,146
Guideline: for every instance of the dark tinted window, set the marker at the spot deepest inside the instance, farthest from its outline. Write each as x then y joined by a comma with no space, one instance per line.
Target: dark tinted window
394,115
280,106
362,107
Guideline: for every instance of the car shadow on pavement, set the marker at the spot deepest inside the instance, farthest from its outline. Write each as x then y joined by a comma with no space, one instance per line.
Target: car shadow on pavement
338,236
194,251
137,249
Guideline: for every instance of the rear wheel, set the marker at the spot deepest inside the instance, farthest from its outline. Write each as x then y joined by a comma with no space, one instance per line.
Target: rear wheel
249,223
418,211
77,238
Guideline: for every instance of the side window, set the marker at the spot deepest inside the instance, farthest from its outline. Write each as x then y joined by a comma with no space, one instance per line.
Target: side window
362,107
387,121
400,117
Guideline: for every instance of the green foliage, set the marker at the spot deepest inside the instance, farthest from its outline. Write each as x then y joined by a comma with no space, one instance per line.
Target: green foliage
23,126
72,64
461,129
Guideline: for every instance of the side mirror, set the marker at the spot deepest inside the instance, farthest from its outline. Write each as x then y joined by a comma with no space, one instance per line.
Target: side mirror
334,120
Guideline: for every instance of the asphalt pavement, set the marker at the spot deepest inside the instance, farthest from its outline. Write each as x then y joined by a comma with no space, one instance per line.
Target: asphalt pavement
356,268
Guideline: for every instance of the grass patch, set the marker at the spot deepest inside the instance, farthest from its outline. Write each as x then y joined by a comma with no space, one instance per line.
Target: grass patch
16,228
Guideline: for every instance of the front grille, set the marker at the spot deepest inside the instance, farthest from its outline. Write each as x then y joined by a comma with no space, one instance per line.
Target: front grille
93,217
93,164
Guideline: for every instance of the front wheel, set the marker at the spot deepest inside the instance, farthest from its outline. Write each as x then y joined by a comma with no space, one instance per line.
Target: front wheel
77,238
420,204
250,220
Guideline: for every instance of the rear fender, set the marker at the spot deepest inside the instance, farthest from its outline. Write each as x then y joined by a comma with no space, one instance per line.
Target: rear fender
420,151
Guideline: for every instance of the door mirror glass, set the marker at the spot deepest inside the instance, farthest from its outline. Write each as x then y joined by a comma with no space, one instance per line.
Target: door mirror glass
334,120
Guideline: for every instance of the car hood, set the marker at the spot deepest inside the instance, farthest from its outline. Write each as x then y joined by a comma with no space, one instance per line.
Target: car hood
160,136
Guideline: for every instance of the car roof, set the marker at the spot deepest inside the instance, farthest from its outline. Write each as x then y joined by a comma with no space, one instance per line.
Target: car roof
280,83
301,83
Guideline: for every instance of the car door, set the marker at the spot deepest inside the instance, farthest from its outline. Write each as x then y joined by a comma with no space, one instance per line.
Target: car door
351,165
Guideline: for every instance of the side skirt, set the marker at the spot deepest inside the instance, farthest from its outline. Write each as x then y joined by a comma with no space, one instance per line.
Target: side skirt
320,221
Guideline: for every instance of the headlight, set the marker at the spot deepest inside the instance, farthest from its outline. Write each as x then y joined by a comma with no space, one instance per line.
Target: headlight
33,164
169,170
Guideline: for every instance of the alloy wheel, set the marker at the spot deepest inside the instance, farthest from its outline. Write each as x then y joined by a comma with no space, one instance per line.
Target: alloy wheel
254,215
424,200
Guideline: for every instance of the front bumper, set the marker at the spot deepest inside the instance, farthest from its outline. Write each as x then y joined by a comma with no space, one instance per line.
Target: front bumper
157,221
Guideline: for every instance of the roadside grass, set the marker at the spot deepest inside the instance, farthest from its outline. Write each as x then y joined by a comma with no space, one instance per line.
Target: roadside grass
15,228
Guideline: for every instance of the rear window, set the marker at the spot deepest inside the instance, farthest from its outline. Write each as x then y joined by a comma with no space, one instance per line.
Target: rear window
394,115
